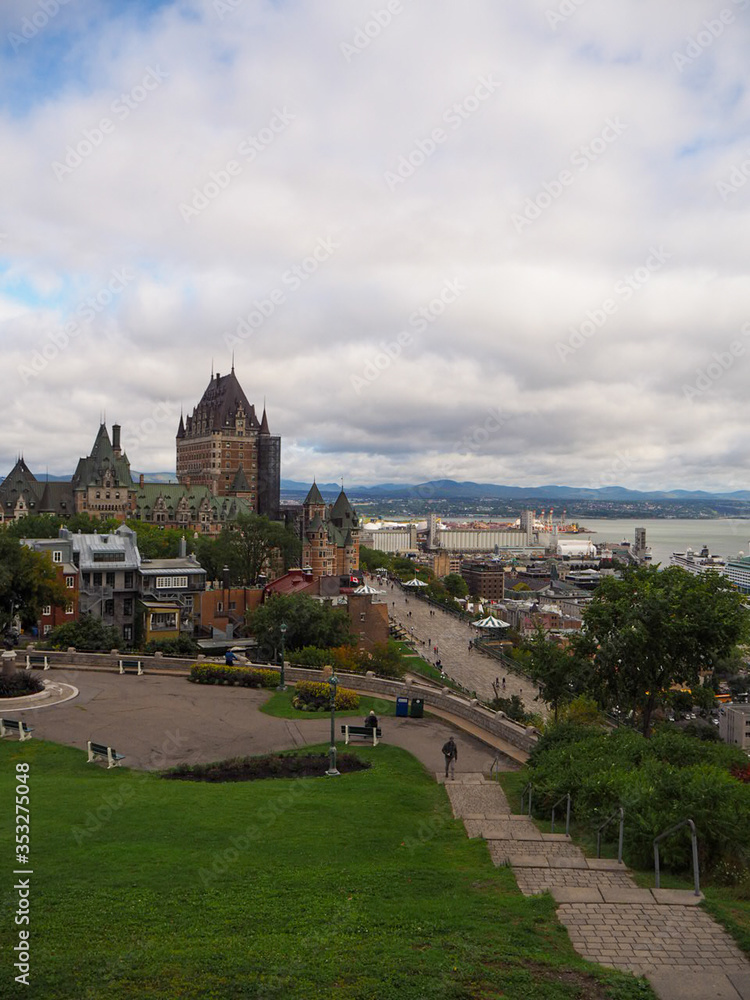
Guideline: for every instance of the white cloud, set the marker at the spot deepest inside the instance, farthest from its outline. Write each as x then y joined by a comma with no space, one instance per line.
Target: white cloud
313,135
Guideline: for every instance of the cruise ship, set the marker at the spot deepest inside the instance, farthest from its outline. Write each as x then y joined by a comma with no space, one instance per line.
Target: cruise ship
699,562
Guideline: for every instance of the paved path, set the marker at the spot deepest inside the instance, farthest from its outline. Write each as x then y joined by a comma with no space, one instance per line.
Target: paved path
474,671
159,720
661,934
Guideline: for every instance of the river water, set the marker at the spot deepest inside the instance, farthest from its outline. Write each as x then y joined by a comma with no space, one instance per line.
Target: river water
724,536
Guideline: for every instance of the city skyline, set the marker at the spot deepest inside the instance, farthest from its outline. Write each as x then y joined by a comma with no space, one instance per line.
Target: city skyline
473,244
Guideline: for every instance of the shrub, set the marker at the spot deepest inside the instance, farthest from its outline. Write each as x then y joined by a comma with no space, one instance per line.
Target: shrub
20,683
314,696
217,673
184,646
311,656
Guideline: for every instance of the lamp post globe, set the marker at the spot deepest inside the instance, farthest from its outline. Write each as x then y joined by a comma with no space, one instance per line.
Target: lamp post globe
282,678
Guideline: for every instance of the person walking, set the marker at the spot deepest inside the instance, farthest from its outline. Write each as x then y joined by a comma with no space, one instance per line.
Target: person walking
450,752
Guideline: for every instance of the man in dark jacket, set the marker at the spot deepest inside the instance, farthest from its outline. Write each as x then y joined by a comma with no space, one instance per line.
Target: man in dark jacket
450,752
371,721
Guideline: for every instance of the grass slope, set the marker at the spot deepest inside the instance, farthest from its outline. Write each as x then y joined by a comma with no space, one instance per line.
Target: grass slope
362,887
280,705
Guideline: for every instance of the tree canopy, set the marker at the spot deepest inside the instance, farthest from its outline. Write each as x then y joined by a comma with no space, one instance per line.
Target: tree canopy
28,581
556,668
308,623
653,628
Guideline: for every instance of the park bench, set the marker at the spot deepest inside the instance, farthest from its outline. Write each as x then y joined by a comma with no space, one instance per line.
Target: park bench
37,660
130,665
8,726
365,732
106,753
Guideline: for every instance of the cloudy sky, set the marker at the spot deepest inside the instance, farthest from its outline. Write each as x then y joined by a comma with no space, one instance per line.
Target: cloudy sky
467,240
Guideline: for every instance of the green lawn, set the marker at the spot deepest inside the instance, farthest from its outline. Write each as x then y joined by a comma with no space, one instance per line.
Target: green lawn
727,904
416,665
359,887
280,705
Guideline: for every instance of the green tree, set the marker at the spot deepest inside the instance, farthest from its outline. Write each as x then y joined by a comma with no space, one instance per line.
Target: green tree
308,623
557,669
653,628
28,580
89,633
372,559
456,585
253,541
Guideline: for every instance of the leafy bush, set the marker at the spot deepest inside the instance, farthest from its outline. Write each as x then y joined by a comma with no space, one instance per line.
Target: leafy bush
219,673
385,659
20,683
184,646
87,634
313,696
513,708
312,656
659,782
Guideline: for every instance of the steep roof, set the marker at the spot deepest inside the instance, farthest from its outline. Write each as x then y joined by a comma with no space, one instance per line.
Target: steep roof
314,496
91,471
220,404
342,512
239,483
264,423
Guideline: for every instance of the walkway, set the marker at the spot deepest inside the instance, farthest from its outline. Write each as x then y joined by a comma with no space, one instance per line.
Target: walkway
661,934
474,671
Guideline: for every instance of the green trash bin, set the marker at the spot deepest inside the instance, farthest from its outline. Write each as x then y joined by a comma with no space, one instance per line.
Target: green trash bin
416,708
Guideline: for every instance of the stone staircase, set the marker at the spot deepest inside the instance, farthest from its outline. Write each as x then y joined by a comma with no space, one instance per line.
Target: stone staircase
658,933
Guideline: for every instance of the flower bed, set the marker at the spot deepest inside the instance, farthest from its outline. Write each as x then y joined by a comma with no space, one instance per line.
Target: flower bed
311,696
219,673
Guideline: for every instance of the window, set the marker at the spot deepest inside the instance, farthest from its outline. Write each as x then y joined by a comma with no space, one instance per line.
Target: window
47,629
110,579
109,607
68,609
127,606
219,605
86,579
127,633
47,609
128,581
162,582
97,579
57,556
362,616
70,582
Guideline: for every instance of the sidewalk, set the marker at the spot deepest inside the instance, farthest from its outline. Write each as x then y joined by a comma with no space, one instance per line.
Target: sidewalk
661,934
474,671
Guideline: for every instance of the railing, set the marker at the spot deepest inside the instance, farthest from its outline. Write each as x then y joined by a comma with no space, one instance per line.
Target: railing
694,837
495,766
529,788
564,798
600,829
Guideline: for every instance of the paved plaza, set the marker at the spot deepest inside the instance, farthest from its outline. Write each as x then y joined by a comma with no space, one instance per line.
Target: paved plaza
474,671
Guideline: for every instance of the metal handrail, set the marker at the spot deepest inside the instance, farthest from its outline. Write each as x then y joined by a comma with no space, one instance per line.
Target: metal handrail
567,817
529,788
694,837
618,812
495,766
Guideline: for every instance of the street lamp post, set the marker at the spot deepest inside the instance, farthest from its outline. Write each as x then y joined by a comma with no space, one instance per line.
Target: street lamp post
332,770
282,678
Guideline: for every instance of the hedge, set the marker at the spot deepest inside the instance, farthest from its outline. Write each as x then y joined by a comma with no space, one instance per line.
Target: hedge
219,673
314,696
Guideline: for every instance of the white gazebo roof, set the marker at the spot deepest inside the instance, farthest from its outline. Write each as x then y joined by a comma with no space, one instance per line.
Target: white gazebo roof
366,589
490,622
415,583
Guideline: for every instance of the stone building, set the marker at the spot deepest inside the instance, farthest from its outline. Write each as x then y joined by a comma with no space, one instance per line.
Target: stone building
223,446
330,535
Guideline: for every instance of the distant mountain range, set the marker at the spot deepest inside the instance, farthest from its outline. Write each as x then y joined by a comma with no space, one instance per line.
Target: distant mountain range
449,489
